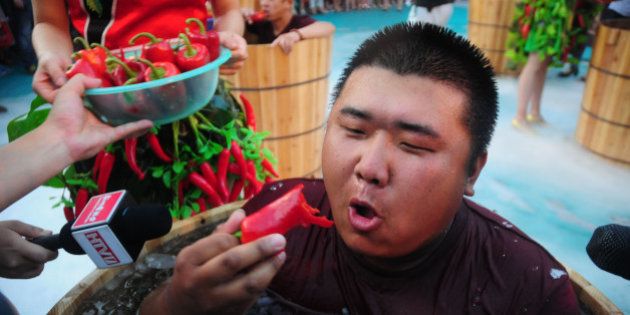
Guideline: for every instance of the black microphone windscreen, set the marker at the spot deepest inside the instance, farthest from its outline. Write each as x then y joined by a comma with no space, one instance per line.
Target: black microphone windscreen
609,248
68,243
146,222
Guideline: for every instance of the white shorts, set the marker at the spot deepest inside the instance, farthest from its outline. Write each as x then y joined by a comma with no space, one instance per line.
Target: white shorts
439,15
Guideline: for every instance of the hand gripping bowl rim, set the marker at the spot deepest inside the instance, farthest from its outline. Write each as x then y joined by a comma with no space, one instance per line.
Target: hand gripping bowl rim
223,57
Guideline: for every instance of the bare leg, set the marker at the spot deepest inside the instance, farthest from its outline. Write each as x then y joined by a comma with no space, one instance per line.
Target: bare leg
528,87
539,84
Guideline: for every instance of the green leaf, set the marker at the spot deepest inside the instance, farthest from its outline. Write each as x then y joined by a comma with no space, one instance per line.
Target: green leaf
21,125
167,179
178,166
195,207
55,182
36,103
157,171
195,194
186,210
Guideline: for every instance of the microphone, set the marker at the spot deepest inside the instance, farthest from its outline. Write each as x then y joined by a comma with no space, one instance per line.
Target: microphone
609,249
111,229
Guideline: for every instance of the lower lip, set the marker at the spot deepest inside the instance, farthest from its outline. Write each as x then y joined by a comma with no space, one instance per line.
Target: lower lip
361,223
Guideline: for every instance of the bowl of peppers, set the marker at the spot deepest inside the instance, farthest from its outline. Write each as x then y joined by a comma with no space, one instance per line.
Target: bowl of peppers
160,80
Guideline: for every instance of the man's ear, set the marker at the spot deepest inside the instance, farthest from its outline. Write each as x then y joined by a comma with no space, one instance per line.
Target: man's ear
476,167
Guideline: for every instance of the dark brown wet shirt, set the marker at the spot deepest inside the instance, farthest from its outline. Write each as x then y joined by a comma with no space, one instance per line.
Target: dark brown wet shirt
482,265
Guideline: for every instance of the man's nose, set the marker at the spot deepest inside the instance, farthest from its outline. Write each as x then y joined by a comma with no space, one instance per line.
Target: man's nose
373,166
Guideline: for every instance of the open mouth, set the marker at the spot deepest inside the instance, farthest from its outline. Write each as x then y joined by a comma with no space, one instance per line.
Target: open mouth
363,210
362,216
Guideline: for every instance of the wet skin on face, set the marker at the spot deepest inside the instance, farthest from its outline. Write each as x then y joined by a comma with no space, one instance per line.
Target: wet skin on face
395,160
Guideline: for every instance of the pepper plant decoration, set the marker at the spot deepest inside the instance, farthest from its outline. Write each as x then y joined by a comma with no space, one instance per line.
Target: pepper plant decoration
202,161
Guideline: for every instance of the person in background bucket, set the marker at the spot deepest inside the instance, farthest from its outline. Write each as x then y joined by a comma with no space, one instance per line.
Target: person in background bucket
98,23
406,140
437,12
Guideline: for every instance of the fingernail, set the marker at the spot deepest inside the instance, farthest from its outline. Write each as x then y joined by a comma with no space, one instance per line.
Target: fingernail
276,242
280,258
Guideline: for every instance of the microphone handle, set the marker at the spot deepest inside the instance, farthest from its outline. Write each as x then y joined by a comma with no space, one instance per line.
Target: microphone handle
50,242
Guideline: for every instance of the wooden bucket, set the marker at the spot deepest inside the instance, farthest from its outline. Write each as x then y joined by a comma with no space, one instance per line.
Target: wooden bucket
488,25
604,123
70,303
289,94
591,300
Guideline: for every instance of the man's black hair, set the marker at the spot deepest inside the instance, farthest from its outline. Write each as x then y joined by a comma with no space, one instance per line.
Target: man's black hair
437,53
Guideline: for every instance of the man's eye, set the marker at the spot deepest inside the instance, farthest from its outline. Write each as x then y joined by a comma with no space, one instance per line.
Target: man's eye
354,131
414,148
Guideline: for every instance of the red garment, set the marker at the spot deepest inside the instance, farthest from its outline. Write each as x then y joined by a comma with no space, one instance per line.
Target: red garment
483,265
114,22
264,29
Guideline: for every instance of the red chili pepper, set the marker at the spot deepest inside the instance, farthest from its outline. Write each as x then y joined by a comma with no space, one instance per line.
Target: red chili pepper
258,16
282,215
200,182
191,56
97,163
131,145
237,187
237,153
249,191
202,205
159,70
180,192
251,172
250,117
267,166
211,178
94,56
156,50
68,213
125,73
83,67
234,169
154,144
80,201
525,30
209,38
105,170
528,10
222,166
581,21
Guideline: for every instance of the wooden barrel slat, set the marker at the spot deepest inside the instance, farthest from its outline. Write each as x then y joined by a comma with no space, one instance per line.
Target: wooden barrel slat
289,93
604,124
488,25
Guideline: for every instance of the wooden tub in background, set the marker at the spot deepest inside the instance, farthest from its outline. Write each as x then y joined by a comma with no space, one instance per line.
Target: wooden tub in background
604,123
591,299
488,25
289,94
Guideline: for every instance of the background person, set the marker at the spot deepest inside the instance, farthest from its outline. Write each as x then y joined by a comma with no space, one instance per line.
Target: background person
413,114
282,28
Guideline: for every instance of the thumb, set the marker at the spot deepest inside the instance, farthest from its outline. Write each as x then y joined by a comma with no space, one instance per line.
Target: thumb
75,87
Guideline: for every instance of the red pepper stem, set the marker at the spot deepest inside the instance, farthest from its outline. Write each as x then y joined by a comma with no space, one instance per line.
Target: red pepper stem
151,37
94,45
190,50
130,73
202,28
82,41
157,72
238,234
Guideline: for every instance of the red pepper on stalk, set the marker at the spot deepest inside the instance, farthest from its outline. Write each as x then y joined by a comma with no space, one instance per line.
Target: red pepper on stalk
202,184
234,169
105,170
97,163
211,178
202,205
250,117
222,168
68,213
125,73
237,153
253,180
209,38
156,50
191,56
94,56
267,166
237,187
282,215
154,144
159,70
525,30
80,201
131,145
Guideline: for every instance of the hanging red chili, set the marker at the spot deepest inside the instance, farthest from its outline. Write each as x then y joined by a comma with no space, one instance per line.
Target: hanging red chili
269,168
253,179
237,153
154,144
237,187
156,50
222,166
234,169
131,145
525,30
211,178
250,117
202,184
105,170
202,205
281,215
191,56
97,163
209,38
80,200
68,213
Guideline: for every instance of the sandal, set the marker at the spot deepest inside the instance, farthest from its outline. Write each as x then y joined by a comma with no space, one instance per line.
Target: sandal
535,119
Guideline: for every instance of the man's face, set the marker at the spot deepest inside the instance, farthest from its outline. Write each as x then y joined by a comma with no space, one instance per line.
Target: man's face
394,160
275,9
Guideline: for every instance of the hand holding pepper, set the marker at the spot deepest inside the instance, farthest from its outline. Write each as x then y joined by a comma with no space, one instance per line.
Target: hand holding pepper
217,275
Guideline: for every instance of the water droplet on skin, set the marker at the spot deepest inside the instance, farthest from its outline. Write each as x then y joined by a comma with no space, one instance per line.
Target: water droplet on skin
474,305
476,299
280,185
504,255
496,227
535,268
507,224
556,273
515,241
273,188
524,310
